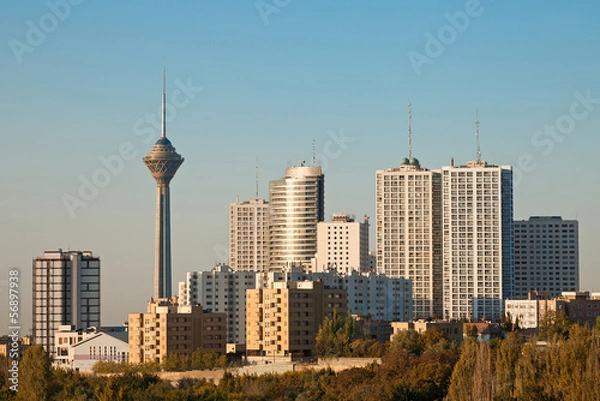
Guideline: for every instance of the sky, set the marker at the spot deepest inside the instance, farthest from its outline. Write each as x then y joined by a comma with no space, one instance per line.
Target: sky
252,80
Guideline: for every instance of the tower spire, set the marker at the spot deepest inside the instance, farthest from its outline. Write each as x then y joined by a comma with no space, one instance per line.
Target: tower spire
477,135
314,155
163,133
409,131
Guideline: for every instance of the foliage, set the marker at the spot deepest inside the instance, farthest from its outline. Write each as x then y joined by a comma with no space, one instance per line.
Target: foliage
335,335
554,324
35,375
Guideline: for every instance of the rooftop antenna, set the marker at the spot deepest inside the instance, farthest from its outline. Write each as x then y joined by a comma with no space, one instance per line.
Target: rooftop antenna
477,135
409,131
256,178
164,103
314,151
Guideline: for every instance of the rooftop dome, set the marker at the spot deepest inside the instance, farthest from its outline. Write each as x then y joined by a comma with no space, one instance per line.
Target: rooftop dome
163,141
405,161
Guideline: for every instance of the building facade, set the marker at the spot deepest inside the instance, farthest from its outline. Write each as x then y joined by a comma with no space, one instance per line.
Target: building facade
284,317
249,235
168,327
546,256
453,330
477,240
409,235
370,295
296,205
342,244
80,350
66,291
221,290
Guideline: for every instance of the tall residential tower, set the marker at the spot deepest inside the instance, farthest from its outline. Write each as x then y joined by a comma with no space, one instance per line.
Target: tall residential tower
163,162
66,291
409,236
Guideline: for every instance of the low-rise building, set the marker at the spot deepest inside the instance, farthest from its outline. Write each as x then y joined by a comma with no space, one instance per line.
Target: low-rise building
580,306
80,350
168,327
453,330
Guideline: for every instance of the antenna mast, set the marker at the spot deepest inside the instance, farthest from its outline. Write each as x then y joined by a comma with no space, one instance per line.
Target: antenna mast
256,193
409,132
163,133
314,151
477,135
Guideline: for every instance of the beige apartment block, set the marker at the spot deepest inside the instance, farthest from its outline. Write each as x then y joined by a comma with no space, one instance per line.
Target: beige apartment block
283,318
249,235
168,327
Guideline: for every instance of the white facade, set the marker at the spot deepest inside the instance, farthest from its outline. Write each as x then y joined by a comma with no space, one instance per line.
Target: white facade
523,311
80,349
342,245
409,236
546,256
296,205
249,235
478,240
66,291
220,290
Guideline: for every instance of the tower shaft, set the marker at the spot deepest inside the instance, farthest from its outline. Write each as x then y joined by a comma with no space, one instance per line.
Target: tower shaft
162,255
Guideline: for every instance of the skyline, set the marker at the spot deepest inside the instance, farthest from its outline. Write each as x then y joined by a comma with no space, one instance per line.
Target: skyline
88,94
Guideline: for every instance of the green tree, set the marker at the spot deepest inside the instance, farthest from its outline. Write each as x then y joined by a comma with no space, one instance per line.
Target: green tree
335,335
506,361
554,324
528,373
35,375
461,382
408,340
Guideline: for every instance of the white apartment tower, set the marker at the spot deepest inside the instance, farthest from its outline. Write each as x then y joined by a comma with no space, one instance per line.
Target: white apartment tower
66,291
478,240
296,205
249,235
546,256
409,236
342,244
220,290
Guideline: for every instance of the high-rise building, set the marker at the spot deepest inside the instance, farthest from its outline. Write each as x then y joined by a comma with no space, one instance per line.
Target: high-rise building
169,328
66,291
283,318
296,205
408,226
478,240
546,256
249,235
342,244
163,162
221,290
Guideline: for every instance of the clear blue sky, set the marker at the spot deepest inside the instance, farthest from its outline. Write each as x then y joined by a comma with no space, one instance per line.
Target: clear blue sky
271,83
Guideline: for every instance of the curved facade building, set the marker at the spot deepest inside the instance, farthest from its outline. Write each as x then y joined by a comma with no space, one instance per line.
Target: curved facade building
296,205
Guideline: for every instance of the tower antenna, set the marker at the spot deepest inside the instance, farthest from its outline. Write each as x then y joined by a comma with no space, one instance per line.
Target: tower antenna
409,131
163,133
314,151
477,135
256,178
